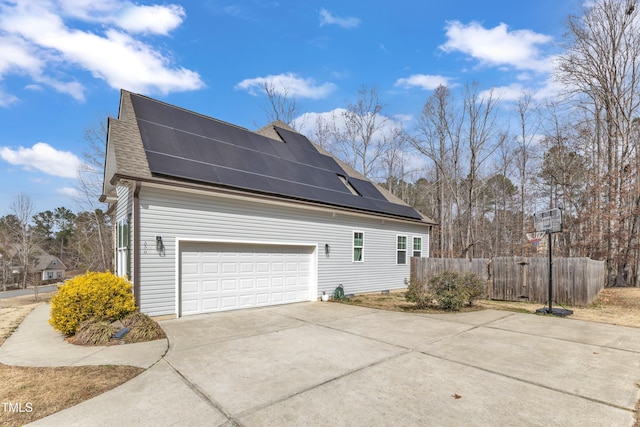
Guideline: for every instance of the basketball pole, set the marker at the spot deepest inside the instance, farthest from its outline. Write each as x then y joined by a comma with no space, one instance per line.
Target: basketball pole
550,273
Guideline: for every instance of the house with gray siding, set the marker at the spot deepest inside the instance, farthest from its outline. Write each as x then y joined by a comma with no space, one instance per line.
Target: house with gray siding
210,216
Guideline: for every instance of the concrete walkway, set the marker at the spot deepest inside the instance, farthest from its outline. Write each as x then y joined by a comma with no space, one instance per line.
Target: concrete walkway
36,343
321,364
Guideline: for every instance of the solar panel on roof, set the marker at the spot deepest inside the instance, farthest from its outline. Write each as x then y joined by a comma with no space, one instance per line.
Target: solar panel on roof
295,139
189,146
366,189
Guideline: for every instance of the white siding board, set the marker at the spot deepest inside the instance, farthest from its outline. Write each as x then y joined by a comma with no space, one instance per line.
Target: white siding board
180,215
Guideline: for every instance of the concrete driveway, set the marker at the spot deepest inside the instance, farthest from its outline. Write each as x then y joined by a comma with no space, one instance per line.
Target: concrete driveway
323,364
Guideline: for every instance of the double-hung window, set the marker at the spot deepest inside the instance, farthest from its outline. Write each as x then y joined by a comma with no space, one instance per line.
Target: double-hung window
401,250
417,247
122,247
358,246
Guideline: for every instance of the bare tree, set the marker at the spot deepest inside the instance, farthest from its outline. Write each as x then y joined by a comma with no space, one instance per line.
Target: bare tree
438,138
362,140
601,68
25,240
323,132
281,104
89,189
482,137
529,125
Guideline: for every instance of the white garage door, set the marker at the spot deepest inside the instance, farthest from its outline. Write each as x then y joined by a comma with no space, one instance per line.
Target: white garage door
227,276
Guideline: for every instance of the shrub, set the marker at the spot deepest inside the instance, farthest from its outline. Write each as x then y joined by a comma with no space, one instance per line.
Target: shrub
103,296
142,328
419,294
448,291
474,286
94,332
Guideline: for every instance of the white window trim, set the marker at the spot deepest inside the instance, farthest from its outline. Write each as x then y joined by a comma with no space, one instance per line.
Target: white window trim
123,238
353,246
398,250
413,243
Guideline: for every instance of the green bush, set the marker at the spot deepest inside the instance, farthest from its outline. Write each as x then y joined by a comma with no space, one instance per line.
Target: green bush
447,291
474,286
419,294
103,296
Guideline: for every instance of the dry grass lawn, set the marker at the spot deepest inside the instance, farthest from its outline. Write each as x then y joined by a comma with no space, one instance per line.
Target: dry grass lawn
44,391
617,306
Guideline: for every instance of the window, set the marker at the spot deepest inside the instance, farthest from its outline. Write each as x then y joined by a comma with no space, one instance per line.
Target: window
122,247
358,246
401,249
347,184
417,247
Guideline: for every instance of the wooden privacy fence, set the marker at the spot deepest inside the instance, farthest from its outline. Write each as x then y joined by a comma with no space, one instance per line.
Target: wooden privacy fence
576,281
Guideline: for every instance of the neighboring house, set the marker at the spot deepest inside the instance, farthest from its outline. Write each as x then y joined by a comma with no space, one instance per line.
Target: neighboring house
211,216
42,264
48,267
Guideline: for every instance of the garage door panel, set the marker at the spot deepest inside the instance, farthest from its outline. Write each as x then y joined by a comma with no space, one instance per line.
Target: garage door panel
247,267
229,302
291,281
263,299
190,306
277,297
210,304
229,267
189,286
247,283
210,286
216,276
229,284
190,268
210,268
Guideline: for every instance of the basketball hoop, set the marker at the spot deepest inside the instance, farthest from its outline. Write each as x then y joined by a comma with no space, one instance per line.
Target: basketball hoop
535,238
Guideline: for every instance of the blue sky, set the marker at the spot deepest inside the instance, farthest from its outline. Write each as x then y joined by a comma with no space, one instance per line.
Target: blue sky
62,63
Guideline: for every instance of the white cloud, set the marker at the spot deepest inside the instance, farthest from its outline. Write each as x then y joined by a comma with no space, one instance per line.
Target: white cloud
307,122
328,18
6,99
17,55
288,83
44,158
498,46
38,40
423,81
133,18
150,19
70,192
512,92
544,90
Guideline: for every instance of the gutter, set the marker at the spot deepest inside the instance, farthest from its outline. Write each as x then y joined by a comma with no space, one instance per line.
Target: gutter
136,242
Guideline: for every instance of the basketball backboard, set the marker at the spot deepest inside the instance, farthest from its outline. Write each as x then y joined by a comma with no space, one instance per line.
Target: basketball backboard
549,221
